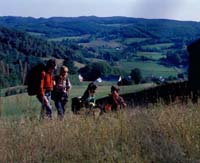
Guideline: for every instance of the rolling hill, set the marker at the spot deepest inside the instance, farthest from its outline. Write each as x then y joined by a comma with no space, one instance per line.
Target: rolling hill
116,40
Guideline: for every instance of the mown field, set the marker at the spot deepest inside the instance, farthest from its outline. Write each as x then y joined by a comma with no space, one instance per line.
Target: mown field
150,55
24,105
149,68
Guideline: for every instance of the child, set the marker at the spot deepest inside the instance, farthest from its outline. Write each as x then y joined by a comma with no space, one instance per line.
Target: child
115,101
88,98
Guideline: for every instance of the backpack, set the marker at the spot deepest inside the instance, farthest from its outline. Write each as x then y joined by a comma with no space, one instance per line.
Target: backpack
34,79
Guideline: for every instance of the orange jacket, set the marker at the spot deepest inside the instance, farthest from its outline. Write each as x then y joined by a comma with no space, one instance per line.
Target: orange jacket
46,82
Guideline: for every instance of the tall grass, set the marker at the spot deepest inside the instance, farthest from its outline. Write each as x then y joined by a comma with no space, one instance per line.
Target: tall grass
158,134
19,105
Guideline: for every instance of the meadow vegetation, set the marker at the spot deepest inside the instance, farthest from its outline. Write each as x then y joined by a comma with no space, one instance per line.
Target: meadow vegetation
161,133
23,105
157,133
149,68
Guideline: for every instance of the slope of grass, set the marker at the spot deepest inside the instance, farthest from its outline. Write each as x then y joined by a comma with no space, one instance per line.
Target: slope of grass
150,55
101,43
129,41
158,134
158,46
149,68
24,105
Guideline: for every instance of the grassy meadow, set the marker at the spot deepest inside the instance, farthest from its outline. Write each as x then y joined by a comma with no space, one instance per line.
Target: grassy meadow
23,105
159,133
162,133
149,68
150,55
158,46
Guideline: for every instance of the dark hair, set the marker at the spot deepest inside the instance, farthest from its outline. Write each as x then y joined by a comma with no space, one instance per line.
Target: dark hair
92,86
115,88
51,63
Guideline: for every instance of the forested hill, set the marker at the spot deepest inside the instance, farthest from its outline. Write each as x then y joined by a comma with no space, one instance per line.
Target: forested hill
18,48
158,42
107,26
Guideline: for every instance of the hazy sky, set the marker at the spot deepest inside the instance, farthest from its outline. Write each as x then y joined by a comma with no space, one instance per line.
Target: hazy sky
170,9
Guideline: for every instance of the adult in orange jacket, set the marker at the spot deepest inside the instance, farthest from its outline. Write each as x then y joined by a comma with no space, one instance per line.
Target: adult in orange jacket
46,86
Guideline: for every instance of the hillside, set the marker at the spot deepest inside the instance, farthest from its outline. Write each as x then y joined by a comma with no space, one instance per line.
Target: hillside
156,46
135,27
18,48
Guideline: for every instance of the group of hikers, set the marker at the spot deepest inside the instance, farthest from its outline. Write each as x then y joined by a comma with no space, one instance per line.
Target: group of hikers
57,88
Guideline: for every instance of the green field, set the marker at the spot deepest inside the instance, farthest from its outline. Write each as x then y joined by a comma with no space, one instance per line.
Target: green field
150,55
158,46
36,33
149,68
75,38
129,41
101,43
23,105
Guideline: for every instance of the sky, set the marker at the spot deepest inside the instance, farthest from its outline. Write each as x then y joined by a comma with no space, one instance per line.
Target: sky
188,10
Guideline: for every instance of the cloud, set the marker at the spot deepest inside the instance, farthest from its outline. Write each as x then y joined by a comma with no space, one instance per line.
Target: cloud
155,8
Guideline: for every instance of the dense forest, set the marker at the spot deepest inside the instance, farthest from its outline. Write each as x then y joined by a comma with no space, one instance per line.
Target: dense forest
112,27
20,50
25,41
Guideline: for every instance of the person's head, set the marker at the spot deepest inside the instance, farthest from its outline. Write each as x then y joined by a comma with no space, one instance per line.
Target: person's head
64,71
92,87
115,88
51,65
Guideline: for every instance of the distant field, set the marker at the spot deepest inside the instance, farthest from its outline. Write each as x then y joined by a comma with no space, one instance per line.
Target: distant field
95,60
100,43
79,65
69,38
36,33
24,105
149,68
158,46
134,40
117,25
150,55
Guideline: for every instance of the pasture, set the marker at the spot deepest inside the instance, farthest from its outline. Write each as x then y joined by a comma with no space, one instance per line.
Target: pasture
20,105
74,38
149,68
101,43
150,55
129,41
158,46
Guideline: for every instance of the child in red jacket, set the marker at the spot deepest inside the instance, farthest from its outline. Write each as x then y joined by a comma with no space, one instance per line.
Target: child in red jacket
115,101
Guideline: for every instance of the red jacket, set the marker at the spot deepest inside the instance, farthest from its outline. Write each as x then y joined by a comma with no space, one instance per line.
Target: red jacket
46,82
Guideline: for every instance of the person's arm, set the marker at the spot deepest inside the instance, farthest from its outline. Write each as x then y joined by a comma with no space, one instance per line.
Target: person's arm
41,91
68,85
122,102
115,97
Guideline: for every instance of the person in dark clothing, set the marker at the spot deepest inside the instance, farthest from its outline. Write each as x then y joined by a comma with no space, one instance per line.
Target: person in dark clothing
61,91
88,98
115,101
